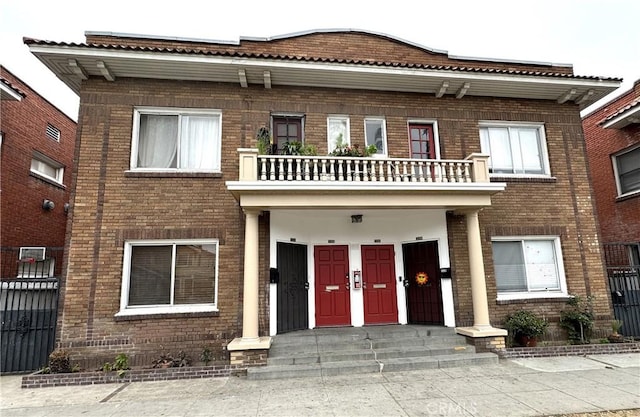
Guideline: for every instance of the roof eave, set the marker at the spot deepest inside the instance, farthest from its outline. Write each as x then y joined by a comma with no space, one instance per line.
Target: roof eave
624,119
72,64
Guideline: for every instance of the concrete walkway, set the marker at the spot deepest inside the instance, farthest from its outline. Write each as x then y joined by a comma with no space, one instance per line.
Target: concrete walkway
523,387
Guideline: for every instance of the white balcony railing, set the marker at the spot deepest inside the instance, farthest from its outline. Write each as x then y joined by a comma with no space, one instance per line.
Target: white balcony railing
270,168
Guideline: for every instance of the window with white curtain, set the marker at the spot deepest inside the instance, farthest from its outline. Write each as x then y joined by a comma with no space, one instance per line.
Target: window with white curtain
515,149
337,132
162,276
176,140
528,267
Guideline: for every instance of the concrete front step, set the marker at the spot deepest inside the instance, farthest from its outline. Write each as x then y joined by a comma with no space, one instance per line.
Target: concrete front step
370,366
398,351
338,351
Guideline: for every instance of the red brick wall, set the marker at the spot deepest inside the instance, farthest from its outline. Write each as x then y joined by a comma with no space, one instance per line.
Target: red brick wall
23,123
619,218
111,206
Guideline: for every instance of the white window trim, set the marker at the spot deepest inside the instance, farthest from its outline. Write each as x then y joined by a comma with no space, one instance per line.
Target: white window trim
58,179
126,310
384,135
346,140
561,293
171,111
436,135
543,147
614,162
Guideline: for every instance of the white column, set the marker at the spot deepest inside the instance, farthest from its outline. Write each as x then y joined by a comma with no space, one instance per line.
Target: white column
250,299
476,268
481,325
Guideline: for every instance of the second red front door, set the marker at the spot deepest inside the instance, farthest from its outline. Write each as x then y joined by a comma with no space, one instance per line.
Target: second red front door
379,284
332,285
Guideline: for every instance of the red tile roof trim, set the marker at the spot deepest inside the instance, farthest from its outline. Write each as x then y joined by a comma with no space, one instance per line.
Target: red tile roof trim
11,86
622,110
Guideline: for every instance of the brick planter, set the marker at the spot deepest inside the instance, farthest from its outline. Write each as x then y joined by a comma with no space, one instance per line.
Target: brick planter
570,350
40,380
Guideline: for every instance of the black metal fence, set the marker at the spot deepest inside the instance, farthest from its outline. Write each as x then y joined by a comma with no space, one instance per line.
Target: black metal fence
28,315
623,271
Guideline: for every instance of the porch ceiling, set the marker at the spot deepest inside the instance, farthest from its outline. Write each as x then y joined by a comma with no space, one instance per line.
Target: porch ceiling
72,64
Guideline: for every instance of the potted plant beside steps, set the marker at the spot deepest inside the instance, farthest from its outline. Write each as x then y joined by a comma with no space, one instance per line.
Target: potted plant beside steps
525,327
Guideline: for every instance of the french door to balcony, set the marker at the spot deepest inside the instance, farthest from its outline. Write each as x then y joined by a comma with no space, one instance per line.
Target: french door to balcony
421,141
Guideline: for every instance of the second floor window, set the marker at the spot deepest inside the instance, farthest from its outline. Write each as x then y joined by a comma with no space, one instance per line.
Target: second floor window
626,166
376,134
287,130
177,140
515,150
337,132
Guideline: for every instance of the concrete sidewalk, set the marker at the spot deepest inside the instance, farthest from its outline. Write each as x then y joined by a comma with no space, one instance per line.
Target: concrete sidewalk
522,387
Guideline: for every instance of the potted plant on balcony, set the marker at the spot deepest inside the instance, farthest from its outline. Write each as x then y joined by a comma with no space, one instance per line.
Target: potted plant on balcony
525,327
343,149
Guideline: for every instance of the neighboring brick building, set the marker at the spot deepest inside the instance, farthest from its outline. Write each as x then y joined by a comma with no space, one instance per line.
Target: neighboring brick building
612,134
183,235
38,143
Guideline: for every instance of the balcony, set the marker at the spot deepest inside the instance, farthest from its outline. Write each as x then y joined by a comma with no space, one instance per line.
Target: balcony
295,181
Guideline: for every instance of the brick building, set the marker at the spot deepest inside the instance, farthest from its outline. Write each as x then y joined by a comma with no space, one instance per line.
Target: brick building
612,135
201,215
38,143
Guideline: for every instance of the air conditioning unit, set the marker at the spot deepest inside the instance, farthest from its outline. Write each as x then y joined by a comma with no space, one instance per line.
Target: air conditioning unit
32,254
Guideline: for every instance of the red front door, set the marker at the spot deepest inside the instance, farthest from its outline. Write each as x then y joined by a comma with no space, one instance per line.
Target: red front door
332,286
379,284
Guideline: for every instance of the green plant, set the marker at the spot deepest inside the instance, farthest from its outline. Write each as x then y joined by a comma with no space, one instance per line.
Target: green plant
297,148
616,325
120,364
263,138
526,323
206,355
344,149
59,362
578,319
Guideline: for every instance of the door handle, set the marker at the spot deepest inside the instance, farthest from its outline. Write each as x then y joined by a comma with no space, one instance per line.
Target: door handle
306,285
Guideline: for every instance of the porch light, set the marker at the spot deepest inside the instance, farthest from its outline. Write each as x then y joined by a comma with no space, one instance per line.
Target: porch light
356,218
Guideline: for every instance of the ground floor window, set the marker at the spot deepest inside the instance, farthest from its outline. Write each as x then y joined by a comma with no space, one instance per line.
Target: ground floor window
170,276
528,267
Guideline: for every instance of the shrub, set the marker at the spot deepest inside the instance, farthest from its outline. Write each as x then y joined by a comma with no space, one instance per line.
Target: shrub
59,362
526,323
578,319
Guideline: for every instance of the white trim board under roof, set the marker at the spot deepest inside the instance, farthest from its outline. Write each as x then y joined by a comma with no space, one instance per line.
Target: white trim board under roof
73,62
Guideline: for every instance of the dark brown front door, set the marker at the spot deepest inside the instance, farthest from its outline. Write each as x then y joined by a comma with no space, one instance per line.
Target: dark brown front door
333,306
379,284
424,293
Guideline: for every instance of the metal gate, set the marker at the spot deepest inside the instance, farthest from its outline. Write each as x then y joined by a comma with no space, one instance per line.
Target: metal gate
28,315
623,271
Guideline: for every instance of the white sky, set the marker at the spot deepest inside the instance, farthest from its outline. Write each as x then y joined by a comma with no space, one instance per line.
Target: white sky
599,37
